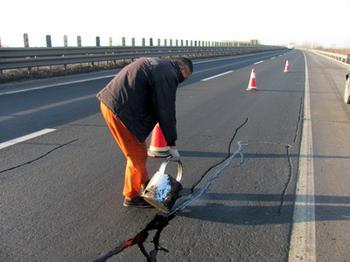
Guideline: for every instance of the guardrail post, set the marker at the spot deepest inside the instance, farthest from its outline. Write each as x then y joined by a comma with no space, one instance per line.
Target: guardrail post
191,43
98,43
171,42
133,41
0,47
123,41
110,41
151,41
165,42
177,42
65,41
182,42
48,41
186,42
79,41
158,41
26,40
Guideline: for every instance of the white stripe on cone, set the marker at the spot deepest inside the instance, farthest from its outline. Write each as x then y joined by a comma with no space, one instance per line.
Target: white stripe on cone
252,81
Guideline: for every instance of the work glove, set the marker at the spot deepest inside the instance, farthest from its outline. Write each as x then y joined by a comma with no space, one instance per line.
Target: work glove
174,153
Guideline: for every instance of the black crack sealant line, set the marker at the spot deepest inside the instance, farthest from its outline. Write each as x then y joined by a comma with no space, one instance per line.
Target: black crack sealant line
161,220
40,157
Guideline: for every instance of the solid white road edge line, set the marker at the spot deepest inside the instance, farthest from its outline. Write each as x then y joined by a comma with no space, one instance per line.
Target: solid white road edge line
225,73
26,137
258,62
303,237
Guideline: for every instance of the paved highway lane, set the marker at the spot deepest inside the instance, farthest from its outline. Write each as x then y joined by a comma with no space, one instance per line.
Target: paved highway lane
61,192
330,130
51,103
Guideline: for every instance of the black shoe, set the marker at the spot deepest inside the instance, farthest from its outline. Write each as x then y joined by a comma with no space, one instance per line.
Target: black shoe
136,202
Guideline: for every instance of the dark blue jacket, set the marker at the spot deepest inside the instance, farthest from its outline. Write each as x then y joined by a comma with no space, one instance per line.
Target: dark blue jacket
142,94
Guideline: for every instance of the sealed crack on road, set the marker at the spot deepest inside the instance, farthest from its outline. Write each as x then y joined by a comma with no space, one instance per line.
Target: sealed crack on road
38,158
160,221
299,119
290,174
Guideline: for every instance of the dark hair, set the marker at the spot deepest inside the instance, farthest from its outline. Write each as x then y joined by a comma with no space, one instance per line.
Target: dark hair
186,62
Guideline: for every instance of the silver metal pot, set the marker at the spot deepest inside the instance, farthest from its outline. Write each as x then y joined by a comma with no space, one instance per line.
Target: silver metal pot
162,190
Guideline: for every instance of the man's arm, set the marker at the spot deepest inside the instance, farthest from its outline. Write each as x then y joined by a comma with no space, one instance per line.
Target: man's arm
164,98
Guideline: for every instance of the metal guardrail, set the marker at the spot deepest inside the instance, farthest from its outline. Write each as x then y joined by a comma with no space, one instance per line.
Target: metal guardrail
340,57
12,58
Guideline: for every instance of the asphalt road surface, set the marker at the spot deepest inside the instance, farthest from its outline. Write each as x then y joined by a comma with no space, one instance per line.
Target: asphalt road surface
60,190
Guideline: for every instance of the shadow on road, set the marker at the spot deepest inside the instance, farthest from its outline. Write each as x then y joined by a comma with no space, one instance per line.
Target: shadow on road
253,155
327,208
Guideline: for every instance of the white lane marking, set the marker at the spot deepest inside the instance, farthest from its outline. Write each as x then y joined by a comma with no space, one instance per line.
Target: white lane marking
26,137
227,58
223,66
46,107
272,57
214,60
303,238
225,73
53,85
258,62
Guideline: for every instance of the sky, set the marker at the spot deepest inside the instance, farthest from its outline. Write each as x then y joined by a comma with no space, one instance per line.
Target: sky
272,22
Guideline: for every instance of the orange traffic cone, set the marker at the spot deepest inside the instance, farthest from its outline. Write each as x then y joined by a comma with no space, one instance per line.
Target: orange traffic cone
158,146
286,67
252,81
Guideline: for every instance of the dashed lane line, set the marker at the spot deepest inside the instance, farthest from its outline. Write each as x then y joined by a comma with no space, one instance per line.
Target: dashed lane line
26,137
215,76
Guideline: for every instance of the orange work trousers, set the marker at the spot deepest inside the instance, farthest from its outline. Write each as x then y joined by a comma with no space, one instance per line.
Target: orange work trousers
134,151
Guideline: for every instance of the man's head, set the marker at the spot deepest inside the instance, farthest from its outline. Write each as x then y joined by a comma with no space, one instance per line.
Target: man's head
186,66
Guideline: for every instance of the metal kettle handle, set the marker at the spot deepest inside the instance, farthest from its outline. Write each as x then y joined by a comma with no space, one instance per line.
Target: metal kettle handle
179,167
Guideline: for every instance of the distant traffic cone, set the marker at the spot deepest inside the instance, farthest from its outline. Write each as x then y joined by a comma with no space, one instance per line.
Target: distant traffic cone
286,67
158,146
252,81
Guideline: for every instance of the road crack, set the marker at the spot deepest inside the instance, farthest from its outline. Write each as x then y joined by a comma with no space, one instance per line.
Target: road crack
38,158
299,120
161,220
